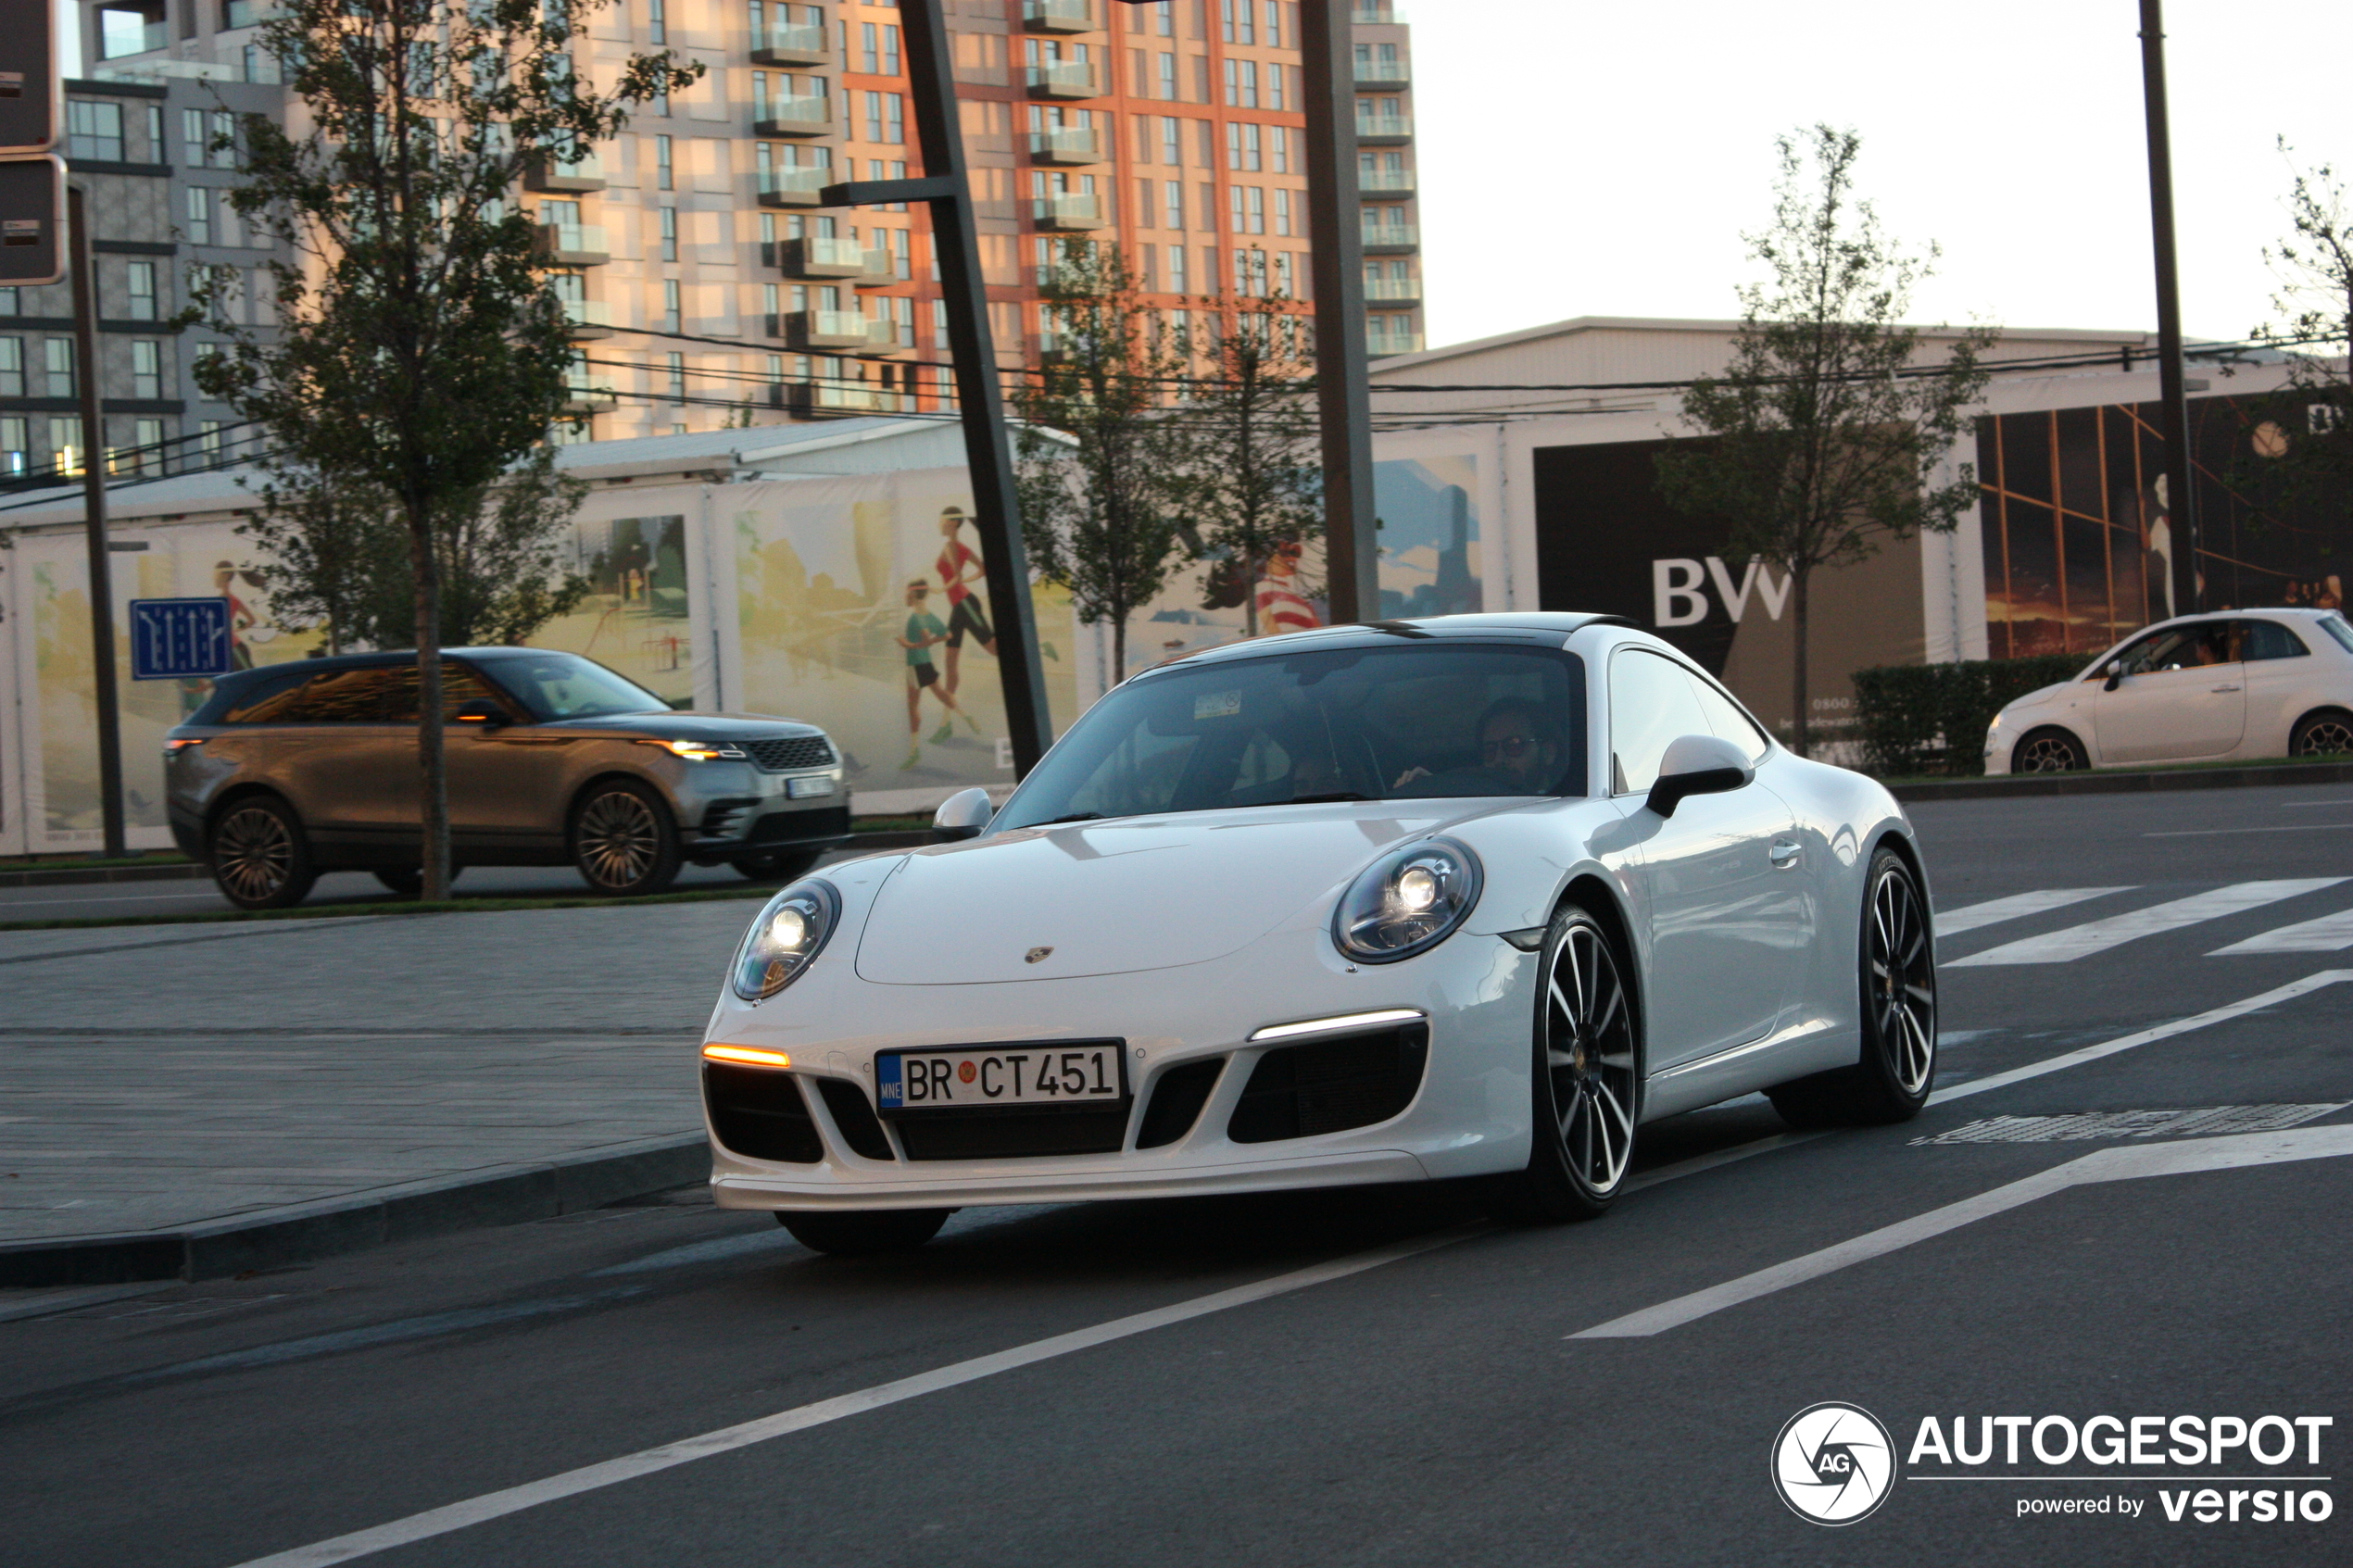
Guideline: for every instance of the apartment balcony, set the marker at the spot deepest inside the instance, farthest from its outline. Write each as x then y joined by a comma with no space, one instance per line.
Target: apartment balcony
582,171
1382,15
819,400
1063,79
574,245
817,260
811,115
1384,184
1375,129
836,330
1379,344
1058,16
883,341
793,187
1067,146
587,395
590,319
1383,73
1392,290
1067,212
1392,239
790,46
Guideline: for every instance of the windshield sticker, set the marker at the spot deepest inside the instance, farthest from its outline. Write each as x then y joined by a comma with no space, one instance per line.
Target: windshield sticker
1217,705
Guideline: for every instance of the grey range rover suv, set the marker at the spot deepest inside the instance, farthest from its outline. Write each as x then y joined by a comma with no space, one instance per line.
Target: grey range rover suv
295,768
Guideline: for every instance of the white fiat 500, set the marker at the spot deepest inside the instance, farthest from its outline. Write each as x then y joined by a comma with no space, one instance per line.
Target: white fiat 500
1470,897
2264,683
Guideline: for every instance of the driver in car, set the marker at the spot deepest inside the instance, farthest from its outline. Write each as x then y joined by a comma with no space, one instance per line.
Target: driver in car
1519,753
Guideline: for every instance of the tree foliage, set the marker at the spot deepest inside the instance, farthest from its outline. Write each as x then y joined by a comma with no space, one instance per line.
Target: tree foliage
1825,433
2314,307
1258,477
416,351
1102,465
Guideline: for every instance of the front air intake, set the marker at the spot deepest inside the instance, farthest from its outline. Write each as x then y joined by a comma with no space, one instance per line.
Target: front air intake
758,1113
1331,1085
854,1115
1176,1101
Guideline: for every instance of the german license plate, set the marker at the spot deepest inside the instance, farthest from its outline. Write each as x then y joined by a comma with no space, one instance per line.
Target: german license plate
801,789
972,1078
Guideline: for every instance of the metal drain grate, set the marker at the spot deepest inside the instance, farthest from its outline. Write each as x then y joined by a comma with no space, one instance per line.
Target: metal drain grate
2198,1121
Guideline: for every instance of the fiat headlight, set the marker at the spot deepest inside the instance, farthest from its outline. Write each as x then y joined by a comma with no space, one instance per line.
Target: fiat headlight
1407,902
785,939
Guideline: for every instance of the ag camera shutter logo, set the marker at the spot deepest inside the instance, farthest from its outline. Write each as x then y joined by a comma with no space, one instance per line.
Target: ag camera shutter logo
1834,1464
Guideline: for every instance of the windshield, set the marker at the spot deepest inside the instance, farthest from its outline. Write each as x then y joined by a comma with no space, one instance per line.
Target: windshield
1414,722
2335,627
564,685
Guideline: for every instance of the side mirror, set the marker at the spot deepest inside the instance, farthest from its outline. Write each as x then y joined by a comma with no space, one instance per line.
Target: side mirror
1697,765
482,714
2115,675
962,815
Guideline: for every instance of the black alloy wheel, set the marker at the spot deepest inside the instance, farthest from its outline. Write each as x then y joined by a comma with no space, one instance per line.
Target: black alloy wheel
2328,733
623,839
776,865
2049,751
258,855
1897,988
1586,1083
852,1232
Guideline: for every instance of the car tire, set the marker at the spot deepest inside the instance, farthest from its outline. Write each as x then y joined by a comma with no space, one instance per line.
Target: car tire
781,865
1896,993
857,1233
2323,732
1585,1079
623,841
2049,750
258,855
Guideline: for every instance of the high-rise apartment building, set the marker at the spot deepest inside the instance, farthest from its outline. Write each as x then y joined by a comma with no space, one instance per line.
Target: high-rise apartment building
708,287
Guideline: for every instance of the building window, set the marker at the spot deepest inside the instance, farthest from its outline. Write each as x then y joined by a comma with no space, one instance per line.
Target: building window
58,357
141,278
1278,150
677,363
209,442
224,139
1237,22
672,318
11,367
1168,78
1282,210
12,303
1273,24
94,132
1172,140
147,369
665,174
1241,83
1177,270
656,21
199,215
65,443
146,441
670,233
1165,18
13,459
193,140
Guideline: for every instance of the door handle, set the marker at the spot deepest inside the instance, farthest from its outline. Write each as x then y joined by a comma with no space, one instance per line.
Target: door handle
1783,854
2225,688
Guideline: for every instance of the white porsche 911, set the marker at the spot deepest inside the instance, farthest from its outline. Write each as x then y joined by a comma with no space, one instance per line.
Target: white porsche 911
1470,897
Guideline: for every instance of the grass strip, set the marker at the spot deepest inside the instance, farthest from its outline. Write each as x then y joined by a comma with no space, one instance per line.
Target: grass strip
441,907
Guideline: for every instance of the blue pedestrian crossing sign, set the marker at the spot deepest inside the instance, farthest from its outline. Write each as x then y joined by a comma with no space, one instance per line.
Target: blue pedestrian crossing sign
180,639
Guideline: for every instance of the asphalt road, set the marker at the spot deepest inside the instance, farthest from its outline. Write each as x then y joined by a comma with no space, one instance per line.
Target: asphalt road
1405,1385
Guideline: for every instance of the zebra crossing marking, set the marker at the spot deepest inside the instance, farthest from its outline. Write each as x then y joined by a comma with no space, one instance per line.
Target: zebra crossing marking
2018,906
2329,934
2097,936
2205,1120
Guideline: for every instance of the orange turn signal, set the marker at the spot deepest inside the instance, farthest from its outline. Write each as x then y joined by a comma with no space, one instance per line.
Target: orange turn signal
751,1056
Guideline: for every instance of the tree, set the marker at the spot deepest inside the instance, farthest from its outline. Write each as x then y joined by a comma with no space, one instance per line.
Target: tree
1824,435
1258,475
418,352
1102,465
2313,458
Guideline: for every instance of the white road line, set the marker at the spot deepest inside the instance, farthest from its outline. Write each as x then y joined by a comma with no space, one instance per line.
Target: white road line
2097,936
2217,833
2107,1165
1969,917
2145,1036
2329,934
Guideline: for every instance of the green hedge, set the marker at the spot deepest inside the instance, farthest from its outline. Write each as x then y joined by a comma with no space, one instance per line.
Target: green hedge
1919,719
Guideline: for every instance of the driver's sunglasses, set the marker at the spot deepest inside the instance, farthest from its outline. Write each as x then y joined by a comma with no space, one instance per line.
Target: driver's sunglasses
1513,746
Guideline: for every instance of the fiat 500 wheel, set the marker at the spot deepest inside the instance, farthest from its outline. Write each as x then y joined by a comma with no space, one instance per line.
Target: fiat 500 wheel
2049,751
260,860
2325,734
1897,984
1586,1082
623,840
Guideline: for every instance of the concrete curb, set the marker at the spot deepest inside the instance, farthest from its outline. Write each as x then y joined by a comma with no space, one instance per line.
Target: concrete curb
499,1195
2128,783
70,876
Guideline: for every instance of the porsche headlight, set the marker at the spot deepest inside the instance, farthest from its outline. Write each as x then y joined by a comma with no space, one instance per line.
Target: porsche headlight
1407,902
786,938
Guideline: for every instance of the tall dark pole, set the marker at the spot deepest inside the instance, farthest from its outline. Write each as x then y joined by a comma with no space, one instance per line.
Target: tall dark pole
988,446
94,491
1343,401
2181,500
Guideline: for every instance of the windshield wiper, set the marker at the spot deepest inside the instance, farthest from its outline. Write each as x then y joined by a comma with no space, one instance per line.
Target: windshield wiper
1322,799
1073,817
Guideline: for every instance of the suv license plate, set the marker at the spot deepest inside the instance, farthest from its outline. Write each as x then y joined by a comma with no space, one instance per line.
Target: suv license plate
801,789
977,1079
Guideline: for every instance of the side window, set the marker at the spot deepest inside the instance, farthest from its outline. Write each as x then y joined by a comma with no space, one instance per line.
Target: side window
1726,719
2195,647
460,684
1651,705
336,697
263,698
2269,639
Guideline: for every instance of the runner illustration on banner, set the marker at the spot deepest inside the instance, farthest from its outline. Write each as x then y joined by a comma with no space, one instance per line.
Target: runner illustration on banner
924,629
960,567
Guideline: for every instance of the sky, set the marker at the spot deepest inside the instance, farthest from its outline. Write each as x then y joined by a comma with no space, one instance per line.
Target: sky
1588,159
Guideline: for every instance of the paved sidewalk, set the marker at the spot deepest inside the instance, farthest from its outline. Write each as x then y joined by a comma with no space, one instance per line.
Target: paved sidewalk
156,1078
